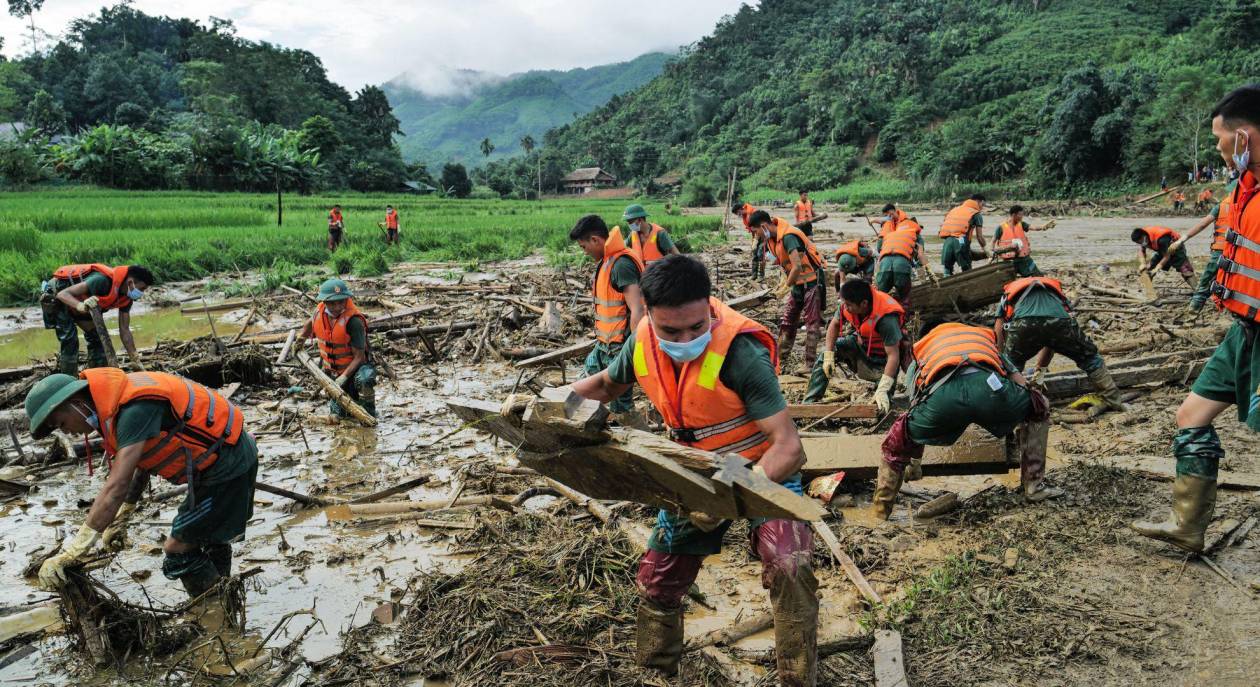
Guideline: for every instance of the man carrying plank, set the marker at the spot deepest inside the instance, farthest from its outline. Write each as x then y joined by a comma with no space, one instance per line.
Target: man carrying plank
1010,242
960,225
1219,219
155,423
960,377
618,301
67,301
341,331
872,347
804,283
1033,320
1232,374
1160,241
711,373
649,239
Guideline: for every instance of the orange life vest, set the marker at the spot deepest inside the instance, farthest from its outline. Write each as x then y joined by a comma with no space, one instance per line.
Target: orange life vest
1009,234
951,345
804,211
1237,284
205,420
612,315
648,250
958,221
697,407
1205,195
1015,290
334,218
391,220
334,337
746,212
854,248
1222,225
811,262
881,304
900,242
117,296
1154,234
890,226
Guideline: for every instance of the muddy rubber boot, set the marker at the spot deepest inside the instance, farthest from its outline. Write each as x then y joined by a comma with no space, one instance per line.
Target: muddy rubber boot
887,484
193,569
1194,499
794,599
659,637
68,364
1033,437
812,336
367,398
787,341
1107,389
865,372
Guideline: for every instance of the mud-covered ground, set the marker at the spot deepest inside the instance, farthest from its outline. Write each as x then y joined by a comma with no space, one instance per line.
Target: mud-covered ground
1080,600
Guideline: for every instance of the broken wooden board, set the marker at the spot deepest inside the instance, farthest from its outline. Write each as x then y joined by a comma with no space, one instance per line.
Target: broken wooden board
859,456
1181,367
1165,468
890,665
971,290
1148,286
834,411
631,465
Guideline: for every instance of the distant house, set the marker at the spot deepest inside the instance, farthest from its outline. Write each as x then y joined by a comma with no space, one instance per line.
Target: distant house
418,187
587,179
12,131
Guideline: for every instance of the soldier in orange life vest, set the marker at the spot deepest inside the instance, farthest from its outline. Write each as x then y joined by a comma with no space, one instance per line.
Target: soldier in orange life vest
1033,320
873,347
1232,374
67,300
959,226
1160,241
650,240
711,372
1218,219
618,301
745,212
341,331
155,423
804,283
805,214
390,225
959,377
854,259
1203,200
1010,242
336,227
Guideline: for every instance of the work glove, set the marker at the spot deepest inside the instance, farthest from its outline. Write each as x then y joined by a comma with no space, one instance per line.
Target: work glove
829,363
913,471
703,521
1018,244
514,403
1037,376
86,304
52,573
115,536
883,393
782,289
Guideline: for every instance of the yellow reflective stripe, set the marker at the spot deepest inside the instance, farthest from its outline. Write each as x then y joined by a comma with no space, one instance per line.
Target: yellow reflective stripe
709,370
640,360
608,319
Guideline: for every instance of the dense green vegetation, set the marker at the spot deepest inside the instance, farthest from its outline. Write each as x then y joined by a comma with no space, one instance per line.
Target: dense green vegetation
188,235
1068,96
155,102
450,128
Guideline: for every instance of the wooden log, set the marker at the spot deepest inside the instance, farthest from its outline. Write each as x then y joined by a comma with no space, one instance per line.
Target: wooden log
221,306
33,620
1153,196
550,321
971,290
572,351
748,625
335,392
408,332
859,456
288,344
846,563
938,506
345,511
890,666
817,218
102,332
392,491
1180,367
834,411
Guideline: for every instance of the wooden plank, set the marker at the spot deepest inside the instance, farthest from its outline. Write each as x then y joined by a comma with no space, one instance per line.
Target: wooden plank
288,344
890,666
859,456
1180,367
850,568
835,411
971,290
1165,468
102,332
221,306
335,392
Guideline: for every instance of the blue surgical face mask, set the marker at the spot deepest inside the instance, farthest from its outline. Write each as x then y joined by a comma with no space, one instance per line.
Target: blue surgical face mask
134,294
90,418
686,352
1242,159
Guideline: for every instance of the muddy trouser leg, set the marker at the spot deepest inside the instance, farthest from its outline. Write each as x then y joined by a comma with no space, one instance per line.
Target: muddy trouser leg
1205,281
362,387
96,349
785,548
194,569
812,314
68,337
964,256
1198,452
663,579
789,322
949,253
902,286
221,556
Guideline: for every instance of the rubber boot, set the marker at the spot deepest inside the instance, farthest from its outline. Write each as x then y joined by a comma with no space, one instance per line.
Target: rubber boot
193,569
787,341
794,600
812,336
1194,499
1033,437
659,637
887,484
1107,389
367,398
68,364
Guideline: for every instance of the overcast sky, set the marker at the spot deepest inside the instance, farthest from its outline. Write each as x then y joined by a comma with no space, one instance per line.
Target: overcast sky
364,42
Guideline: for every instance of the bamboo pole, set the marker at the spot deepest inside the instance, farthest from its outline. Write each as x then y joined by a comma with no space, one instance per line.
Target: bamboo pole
335,392
102,332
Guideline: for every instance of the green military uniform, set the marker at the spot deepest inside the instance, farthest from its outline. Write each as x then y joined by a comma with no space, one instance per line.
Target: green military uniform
1203,290
1160,248
848,264
65,323
1232,374
624,273
849,350
969,394
362,385
1040,320
956,250
895,272
1024,267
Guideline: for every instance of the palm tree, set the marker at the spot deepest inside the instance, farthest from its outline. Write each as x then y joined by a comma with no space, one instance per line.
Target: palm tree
486,147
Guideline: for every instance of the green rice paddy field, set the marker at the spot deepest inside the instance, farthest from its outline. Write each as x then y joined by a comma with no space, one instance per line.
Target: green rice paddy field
185,235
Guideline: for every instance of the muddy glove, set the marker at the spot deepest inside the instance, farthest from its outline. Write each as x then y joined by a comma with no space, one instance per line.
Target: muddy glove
703,521
829,363
515,404
1037,376
115,536
86,304
782,289
913,471
52,573
1018,244
883,393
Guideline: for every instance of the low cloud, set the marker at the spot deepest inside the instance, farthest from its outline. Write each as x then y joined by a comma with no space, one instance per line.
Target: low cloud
442,81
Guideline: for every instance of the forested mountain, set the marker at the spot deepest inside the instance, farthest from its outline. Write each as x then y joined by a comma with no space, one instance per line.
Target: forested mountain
801,93
451,127
160,102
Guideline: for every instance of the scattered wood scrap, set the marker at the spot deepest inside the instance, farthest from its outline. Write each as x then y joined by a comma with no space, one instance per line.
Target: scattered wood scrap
335,392
102,332
833,411
859,456
971,290
890,666
1180,367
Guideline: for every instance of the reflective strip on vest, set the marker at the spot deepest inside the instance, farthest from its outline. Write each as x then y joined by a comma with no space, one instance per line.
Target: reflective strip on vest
709,370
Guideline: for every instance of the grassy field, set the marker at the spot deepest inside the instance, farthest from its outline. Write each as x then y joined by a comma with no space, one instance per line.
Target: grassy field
184,235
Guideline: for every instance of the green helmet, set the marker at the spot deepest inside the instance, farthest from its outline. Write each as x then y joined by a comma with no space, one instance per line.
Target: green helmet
847,263
44,397
333,290
635,211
